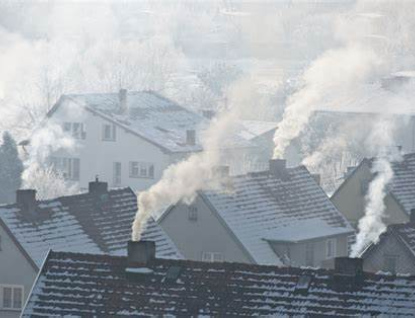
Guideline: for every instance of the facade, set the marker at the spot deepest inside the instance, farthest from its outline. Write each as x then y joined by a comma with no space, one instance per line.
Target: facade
98,221
395,250
280,216
350,196
136,135
142,285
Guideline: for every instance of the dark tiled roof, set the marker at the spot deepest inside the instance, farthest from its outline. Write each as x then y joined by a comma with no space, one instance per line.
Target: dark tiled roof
82,223
97,285
260,205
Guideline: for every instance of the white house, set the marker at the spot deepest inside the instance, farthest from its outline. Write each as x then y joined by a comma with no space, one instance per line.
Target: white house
280,216
131,137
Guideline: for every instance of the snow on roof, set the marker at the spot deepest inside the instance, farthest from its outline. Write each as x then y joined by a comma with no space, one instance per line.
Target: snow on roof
261,204
72,284
155,118
305,230
82,223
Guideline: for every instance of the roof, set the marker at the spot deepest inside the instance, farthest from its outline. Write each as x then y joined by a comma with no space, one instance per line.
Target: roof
252,129
405,233
260,205
100,285
82,223
152,117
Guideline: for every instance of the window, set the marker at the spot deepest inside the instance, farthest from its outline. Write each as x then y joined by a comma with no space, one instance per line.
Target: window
309,254
69,167
390,263
12,297
76,130
192,213
108,132
331,248
212,257
117,173
141,170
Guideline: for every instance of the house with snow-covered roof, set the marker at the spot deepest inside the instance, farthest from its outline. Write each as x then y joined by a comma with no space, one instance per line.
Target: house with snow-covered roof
135,135
350,199
394,252
141,285
280,216
98,221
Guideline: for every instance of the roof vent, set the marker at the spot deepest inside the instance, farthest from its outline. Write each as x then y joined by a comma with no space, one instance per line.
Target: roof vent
191,137
172,274
98,187
122,97
278,168
303,284
348,272
26,200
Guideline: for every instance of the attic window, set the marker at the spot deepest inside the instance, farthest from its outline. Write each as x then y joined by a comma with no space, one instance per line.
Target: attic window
193,213
303,284
172,274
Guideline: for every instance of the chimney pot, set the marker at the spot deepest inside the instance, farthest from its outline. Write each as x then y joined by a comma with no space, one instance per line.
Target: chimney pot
191,137
122,96
278,168
412,215
26,199
141,252
98,187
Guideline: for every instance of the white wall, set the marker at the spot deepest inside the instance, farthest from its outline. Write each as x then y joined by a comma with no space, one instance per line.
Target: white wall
14,270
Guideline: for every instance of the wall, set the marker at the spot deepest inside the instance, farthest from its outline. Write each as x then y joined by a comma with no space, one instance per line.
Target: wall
97,156
389,245
205,235
350,199
297,251
14,270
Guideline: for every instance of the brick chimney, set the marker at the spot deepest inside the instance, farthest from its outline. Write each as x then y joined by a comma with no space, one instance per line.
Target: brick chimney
348,273
26,200
278,168
122,97
191,137
98,187
140,253
412,216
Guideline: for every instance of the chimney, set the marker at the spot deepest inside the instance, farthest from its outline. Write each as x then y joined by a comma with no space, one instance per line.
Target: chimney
278,168
348,273
26,200
98,187
140,253
122,96
191,137
412,216
316,177
220,172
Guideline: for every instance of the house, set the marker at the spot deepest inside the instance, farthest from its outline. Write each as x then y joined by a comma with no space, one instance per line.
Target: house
98,221
349,198
136,135
76,284
395,250
280,216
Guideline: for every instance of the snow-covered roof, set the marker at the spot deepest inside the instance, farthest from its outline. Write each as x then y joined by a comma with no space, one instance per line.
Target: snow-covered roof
72,284
260,205
82,223
154,118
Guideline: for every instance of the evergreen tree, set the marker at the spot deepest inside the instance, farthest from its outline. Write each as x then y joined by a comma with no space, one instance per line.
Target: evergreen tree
11,168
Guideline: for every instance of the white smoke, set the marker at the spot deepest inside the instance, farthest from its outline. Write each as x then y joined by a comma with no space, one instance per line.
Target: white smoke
180,182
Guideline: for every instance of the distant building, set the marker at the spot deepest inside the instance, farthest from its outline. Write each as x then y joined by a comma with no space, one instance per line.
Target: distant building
75,284
136,135
395,250
95,222
280,216
400,199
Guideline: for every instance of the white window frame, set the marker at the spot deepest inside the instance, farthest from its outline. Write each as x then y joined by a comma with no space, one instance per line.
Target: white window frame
141,170
79,133
333,250
212,257
112,132
69,167
13,288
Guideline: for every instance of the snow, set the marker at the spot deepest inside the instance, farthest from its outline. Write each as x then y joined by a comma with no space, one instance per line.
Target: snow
139,270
